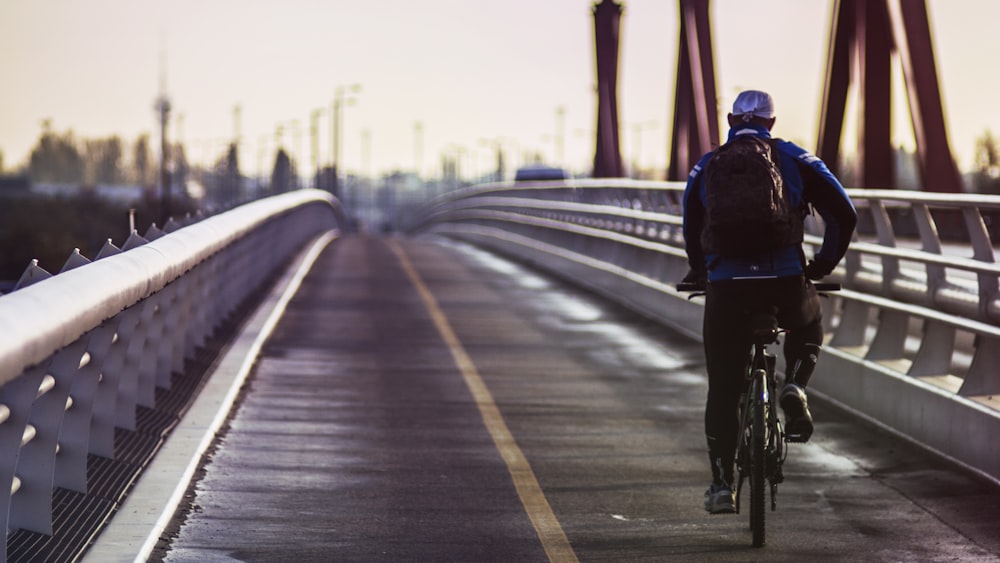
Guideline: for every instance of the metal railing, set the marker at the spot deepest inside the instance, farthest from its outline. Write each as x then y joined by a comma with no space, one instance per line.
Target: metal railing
913,339
84,348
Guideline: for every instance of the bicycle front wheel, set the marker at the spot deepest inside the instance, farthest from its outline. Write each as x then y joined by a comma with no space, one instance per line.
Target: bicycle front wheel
758,461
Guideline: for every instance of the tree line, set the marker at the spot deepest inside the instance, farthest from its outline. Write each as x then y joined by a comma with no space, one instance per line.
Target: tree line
47,227
63,158
985,177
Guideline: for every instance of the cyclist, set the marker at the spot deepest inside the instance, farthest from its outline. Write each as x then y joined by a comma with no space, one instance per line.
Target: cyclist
778,278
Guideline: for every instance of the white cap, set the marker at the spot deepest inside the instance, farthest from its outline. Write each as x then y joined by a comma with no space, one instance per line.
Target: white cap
752,103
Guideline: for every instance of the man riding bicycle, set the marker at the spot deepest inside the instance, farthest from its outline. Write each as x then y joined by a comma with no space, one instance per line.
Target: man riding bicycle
758,268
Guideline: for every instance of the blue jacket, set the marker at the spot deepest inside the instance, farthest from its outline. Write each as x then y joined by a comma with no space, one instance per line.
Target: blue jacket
807,179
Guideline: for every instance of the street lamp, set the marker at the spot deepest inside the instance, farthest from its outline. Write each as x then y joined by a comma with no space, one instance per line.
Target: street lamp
314,138
451,158
637,129
560,136
297,147
293,152
341,95
498,173
261,156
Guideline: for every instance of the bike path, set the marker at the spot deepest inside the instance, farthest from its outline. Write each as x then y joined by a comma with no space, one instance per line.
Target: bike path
413,392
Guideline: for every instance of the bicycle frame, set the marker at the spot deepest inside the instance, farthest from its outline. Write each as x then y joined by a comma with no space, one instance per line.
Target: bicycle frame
761,445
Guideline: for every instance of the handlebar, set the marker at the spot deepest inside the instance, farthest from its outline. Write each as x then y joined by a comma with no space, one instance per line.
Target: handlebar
688,286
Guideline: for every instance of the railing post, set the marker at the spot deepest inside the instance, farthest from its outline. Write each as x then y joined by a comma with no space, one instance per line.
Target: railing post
886,237
150,329
74,438
31,508
937,346
102,423
15,403
982,250
164,334
130,332
890,336
983,377
930,242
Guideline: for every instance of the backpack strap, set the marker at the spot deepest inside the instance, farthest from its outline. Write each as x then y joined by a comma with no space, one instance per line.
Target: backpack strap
775,153
804,207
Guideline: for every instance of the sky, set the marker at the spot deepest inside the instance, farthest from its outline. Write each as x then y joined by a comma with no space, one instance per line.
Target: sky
424,80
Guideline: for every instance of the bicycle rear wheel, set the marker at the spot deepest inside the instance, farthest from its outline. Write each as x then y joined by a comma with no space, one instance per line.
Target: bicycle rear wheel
758,462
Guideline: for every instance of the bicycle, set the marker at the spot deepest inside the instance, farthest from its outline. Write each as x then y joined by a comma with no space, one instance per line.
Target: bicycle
761,448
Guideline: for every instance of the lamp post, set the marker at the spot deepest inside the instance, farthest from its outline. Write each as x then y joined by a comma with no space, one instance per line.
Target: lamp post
314,139
341,95
560,137
297,159
460,155
261,156
163,112
418,149
498,173
637,129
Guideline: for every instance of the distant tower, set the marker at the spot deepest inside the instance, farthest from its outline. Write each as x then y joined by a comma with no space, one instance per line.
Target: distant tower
607,154
162,108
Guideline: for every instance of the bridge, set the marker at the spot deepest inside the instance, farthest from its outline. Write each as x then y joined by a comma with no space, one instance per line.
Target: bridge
454,369
510,375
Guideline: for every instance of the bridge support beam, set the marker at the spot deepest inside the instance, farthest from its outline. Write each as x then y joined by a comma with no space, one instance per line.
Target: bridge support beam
607,153
911,30
863,37
696,120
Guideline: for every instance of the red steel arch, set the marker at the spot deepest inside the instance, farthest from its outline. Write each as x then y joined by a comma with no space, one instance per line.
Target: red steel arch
864,34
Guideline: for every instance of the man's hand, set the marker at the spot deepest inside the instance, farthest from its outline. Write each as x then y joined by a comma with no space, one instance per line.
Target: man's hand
819,268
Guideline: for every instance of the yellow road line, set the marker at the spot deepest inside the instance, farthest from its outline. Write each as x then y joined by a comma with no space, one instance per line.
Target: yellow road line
549,531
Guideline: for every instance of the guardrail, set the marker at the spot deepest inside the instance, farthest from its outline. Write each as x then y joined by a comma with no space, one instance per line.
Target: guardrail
913,339
84,349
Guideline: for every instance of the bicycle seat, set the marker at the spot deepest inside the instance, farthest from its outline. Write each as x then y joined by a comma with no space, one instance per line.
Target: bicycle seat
764,325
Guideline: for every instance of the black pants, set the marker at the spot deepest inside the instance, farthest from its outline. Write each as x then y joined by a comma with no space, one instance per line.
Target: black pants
728,308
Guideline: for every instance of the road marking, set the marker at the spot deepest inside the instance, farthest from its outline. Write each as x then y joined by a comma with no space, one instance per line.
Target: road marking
549,531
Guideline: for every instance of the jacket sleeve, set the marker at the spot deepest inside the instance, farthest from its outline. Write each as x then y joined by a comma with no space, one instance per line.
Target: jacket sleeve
694,218
824,192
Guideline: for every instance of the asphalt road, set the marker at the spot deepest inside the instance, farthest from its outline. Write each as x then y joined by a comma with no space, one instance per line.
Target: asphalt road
429,402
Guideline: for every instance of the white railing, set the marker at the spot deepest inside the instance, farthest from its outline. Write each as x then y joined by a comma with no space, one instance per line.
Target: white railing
83,349
913,339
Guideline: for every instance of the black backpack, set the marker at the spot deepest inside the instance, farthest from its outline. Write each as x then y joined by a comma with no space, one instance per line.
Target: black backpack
747,208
